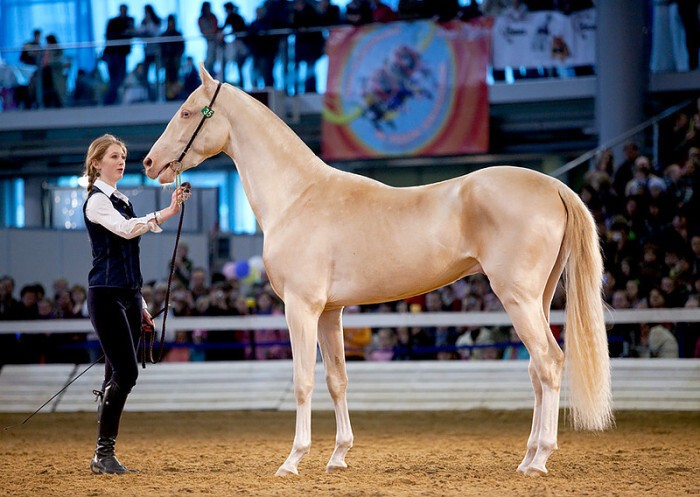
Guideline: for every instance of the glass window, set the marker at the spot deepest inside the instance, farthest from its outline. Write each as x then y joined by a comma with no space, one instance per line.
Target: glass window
12,203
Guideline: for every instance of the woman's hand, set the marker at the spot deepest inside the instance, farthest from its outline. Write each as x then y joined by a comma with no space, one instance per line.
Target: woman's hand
147,321
180,195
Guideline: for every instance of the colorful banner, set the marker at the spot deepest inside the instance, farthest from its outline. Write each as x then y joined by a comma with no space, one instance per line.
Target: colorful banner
544,39
407,89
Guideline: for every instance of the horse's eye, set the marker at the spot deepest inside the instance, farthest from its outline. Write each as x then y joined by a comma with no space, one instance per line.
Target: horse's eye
185,114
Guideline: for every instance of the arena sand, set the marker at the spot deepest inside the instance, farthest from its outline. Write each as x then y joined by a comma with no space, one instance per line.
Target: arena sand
465,453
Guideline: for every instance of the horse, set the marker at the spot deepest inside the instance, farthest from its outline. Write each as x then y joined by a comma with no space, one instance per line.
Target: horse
333,239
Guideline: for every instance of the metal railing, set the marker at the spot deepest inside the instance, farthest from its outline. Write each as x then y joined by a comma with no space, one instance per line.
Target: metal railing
592,154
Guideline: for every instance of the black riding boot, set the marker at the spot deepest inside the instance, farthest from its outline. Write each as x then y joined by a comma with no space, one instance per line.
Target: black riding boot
109,413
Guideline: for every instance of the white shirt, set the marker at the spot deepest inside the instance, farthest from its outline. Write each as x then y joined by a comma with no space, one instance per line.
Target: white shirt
100,210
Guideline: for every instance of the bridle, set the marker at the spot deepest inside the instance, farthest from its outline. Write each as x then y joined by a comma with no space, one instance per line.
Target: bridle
207,112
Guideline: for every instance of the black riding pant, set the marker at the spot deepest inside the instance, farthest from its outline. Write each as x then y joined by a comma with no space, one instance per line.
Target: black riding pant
116,315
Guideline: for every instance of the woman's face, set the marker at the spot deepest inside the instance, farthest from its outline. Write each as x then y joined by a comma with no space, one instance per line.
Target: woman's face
112,165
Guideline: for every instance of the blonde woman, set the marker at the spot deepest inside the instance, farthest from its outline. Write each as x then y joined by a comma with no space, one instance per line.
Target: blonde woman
115,303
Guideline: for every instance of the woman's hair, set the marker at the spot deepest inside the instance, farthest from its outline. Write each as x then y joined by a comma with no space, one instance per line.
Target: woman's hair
96,152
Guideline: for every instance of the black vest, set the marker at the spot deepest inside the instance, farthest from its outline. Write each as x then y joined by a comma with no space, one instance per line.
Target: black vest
115,260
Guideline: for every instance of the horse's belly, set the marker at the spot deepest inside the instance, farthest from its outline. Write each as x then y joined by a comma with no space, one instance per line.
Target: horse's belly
382,279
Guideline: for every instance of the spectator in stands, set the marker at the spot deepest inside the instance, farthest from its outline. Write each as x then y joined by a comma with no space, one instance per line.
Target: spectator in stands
328,13
358,12
53,74
679,189
443,11
413,9
8,303
209,27
642,178
85,90
78,295
263,48
236,50
171,53
116,305
151,27
356,340
30,96
31,53
621,336
444,337
29,297
381,12
624,171
136,89
269,343
182,270
119,29
657,341
64,305
8,306
46,309
309,44
383,344
471,344
180,352
190,78
516,348
198,283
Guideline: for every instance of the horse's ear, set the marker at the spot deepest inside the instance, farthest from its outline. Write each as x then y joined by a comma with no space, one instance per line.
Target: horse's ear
207,81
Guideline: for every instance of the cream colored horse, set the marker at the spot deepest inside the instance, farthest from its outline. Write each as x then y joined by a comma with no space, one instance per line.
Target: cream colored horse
333,239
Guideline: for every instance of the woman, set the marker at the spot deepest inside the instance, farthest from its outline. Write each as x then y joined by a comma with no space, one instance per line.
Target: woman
150,28
115,304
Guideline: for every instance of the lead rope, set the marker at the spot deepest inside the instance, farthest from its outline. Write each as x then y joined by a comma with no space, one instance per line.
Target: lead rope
144,330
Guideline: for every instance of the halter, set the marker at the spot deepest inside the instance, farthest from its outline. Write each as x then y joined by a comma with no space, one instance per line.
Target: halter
207,112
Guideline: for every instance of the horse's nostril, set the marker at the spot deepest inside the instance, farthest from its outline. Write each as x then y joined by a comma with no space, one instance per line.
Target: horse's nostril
147,162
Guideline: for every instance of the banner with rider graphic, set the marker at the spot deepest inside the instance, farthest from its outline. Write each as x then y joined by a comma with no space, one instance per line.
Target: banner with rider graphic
544,39
407,89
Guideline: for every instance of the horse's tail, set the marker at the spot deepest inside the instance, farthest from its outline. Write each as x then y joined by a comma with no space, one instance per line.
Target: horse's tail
586,344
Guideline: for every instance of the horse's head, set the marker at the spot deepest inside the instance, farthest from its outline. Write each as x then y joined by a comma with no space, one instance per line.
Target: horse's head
162,161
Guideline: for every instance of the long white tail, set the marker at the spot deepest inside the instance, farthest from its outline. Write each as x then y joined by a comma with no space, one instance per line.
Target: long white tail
586,348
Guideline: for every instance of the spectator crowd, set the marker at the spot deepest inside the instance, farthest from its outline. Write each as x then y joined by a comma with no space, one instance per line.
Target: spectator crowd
646,211
167,72
648,220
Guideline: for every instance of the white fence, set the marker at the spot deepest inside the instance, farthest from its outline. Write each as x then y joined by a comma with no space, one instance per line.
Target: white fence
372,320
648,384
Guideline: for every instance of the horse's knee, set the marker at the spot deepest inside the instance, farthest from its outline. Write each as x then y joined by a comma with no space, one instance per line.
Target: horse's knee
303,390
337,385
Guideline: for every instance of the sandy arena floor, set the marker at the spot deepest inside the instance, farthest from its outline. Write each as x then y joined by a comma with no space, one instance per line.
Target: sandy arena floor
395,454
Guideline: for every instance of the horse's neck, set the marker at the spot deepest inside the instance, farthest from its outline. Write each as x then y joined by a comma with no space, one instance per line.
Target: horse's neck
275,165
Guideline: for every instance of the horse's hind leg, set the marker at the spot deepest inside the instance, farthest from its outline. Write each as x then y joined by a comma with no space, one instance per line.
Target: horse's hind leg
330,337
532,441
546,365
303,329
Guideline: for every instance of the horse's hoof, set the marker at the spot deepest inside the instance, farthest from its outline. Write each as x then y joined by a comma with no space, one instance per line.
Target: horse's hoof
286,471
336,468
534,471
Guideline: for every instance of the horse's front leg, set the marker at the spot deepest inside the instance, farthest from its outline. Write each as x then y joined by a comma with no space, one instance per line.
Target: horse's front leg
330,337
303,330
